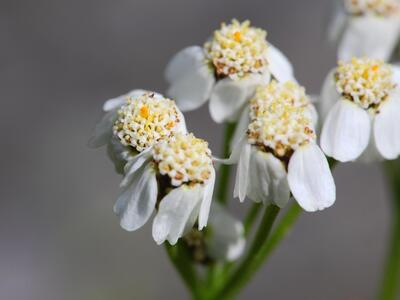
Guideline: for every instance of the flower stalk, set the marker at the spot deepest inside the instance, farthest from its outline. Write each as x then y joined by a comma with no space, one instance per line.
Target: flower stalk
390,288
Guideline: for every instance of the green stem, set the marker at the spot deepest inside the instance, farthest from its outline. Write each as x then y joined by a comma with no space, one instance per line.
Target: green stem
246,268
251,217
225,170
390,288
180,258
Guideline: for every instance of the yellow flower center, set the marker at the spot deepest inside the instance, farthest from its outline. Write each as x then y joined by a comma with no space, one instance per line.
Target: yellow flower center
143,121
364,81
184,158
237,49
383,8
280,121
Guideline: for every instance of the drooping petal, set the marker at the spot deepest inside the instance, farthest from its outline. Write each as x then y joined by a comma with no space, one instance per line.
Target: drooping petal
279,66
371,153
338,21
242,173
226,240
119,101
190,78
119,154
329,95
346,131
137,201
207,199
229,96
370,36
103,131
387,128
267,179
177,213
310,179
134,165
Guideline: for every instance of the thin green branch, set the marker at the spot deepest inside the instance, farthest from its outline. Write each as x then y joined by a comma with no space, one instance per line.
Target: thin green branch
181,260
225,170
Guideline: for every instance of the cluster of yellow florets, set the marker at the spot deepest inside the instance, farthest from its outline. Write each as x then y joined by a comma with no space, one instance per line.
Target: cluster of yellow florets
280,120
145,120
384,8
364,81
237,49
184,158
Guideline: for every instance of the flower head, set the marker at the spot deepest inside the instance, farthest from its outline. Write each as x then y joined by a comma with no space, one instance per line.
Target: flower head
366,82
360,105
134,123
184,159
382,8
225,70
278,154
237,49
279,122
176,176
145,120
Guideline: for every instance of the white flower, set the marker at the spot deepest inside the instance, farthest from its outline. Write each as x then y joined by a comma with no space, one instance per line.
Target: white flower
278,154
366,28
225,70
360,106
174,176
226,240
134,122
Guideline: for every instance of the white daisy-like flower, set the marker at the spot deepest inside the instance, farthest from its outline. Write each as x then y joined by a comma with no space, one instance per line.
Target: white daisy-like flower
366,28
135,122
360,106
176,178
278,154
225,70
223,240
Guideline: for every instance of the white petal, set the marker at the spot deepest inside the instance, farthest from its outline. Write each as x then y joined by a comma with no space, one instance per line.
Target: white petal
310,178
371,153
370,36
279,66
226,239
207,199
242,173
177,213
396,74
267,179
241,127
387,128
134,165
119,154
346,131
119,101
329,95
137,201
229,96
103,131
190,78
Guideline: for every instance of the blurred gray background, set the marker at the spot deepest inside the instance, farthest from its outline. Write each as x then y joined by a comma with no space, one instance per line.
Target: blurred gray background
59,239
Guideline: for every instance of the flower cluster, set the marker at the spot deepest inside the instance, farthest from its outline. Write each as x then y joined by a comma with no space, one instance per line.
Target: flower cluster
384,8
279,122
237,49
144,121
184,158
366,82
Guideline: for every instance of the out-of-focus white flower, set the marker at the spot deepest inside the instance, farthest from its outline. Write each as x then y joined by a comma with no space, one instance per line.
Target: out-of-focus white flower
366,28
135,122
278,154
225,239
225,70
174,176
360,108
